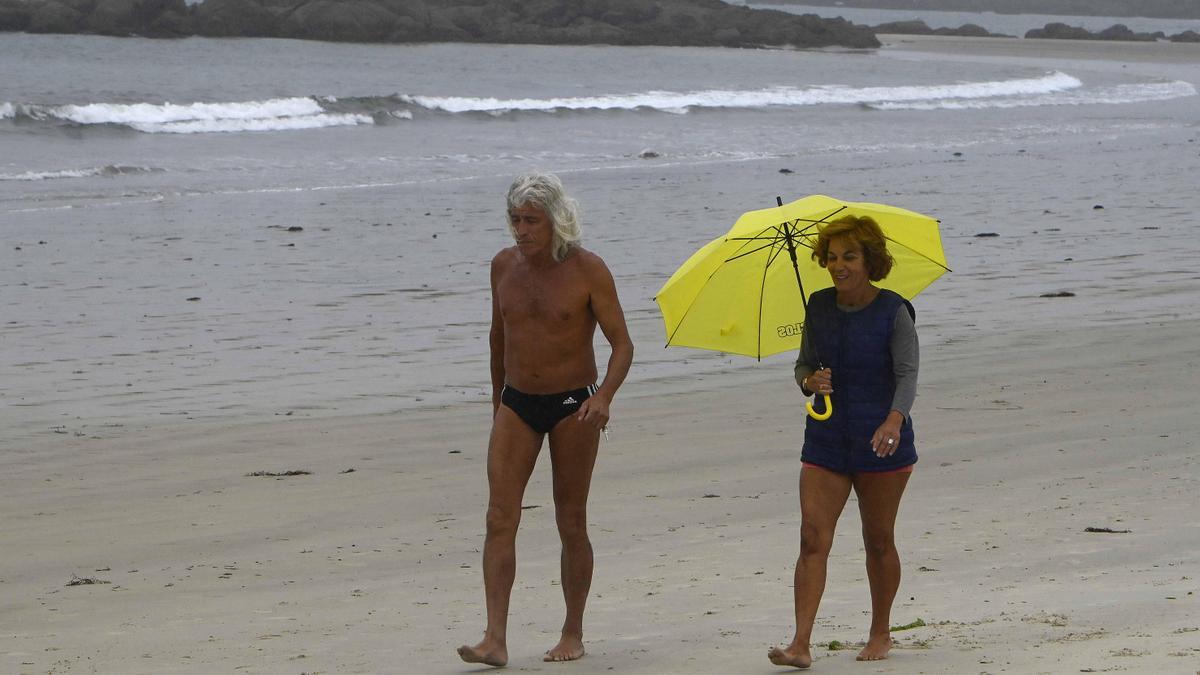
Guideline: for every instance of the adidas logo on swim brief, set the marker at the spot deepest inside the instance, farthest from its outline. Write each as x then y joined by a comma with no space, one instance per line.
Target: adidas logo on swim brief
570,400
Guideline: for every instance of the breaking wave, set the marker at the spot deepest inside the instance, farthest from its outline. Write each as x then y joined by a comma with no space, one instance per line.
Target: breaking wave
314,112
270,115
682,102
107,170
1123,93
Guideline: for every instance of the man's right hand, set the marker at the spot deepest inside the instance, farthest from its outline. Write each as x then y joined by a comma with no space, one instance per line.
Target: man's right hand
594,411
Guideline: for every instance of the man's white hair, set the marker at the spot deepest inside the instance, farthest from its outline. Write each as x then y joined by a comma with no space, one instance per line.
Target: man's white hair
546,191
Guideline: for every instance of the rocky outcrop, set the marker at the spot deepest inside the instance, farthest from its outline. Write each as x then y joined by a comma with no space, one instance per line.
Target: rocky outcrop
1061,31
1122,32
14,15
234,18
1185,36
56,17
968,30
155,18
921,28
352,20
620,22
1163,9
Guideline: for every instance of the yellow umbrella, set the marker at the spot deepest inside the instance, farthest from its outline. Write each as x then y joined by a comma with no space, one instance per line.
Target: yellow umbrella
746,292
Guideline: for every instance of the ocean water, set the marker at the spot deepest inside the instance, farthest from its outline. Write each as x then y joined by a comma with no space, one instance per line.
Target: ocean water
109,118
147,188
1005,24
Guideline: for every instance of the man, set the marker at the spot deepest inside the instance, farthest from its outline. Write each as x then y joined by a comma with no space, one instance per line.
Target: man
548,296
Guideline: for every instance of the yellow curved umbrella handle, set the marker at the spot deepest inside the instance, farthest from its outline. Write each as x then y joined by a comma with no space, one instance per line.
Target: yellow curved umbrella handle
820,416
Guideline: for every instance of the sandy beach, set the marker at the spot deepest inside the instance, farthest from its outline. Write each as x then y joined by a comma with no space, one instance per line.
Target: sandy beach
1057,397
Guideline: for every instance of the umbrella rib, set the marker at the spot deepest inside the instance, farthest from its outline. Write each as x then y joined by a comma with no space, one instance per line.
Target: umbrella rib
825,219
683,318
918,253
762,291
752,252
772,242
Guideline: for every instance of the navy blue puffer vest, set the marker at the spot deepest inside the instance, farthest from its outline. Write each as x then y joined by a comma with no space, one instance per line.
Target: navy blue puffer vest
856,347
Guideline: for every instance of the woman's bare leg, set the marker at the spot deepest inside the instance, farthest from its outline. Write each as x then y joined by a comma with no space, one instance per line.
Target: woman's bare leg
823,495
878,503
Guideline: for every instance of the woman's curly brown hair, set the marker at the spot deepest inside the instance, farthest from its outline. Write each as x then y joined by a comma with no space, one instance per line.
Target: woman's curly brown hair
864,231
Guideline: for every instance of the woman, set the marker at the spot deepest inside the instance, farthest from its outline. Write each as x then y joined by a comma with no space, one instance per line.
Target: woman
860,347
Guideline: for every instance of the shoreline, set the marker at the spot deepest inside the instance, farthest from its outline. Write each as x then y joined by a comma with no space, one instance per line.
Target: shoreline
1170,52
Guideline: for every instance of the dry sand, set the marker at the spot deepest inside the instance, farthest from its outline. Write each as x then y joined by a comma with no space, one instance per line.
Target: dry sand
1037,419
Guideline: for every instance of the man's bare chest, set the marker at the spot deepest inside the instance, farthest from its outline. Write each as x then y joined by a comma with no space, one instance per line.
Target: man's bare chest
555,299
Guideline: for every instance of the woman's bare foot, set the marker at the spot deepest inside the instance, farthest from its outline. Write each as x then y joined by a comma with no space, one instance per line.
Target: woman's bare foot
569,648
490,652
795,657
877,648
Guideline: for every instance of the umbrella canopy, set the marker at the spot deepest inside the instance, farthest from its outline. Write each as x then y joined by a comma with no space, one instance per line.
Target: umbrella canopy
746,292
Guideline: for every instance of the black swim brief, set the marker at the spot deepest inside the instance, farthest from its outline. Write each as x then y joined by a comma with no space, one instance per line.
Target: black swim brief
543,411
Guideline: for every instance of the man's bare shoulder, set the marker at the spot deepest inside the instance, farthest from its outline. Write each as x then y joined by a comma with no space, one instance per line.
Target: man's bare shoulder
588,262
505,257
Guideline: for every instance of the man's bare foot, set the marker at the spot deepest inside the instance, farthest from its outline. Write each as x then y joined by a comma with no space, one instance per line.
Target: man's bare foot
569,648
877,648
488,652
795,657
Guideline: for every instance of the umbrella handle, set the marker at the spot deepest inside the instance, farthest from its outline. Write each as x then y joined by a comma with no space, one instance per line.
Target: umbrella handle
820,416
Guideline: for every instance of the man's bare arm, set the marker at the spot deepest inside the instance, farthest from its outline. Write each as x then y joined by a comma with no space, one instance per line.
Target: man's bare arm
496,336
606,307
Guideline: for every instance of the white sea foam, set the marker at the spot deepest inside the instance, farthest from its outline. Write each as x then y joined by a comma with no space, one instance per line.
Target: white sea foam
108,170
678,102
7,110
204,126
1123,93
151,113
268,115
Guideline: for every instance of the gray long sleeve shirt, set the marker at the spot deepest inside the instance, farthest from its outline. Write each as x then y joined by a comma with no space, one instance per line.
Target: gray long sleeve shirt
905,359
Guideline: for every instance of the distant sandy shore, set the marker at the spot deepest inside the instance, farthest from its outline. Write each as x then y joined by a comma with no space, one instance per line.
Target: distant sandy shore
1158,52
1037,419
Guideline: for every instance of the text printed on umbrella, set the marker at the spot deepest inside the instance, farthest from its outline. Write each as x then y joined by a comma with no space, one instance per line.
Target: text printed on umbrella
790,330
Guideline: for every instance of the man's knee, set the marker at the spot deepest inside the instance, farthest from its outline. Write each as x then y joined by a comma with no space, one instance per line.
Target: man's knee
502,521
572,522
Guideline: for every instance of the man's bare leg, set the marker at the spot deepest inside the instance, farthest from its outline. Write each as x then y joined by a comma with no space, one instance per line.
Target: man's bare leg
878,503
573,448
823,495
512,453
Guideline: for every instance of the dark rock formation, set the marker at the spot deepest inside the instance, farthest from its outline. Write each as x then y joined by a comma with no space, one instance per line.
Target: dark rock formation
620,22
1164,9
916,27
352,20
233,18
55,17
157,18
968,30
1185,36
1061,31
14,15
1122,32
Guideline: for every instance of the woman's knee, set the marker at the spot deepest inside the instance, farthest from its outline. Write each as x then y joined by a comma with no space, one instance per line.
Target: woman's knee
815,540
879,543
